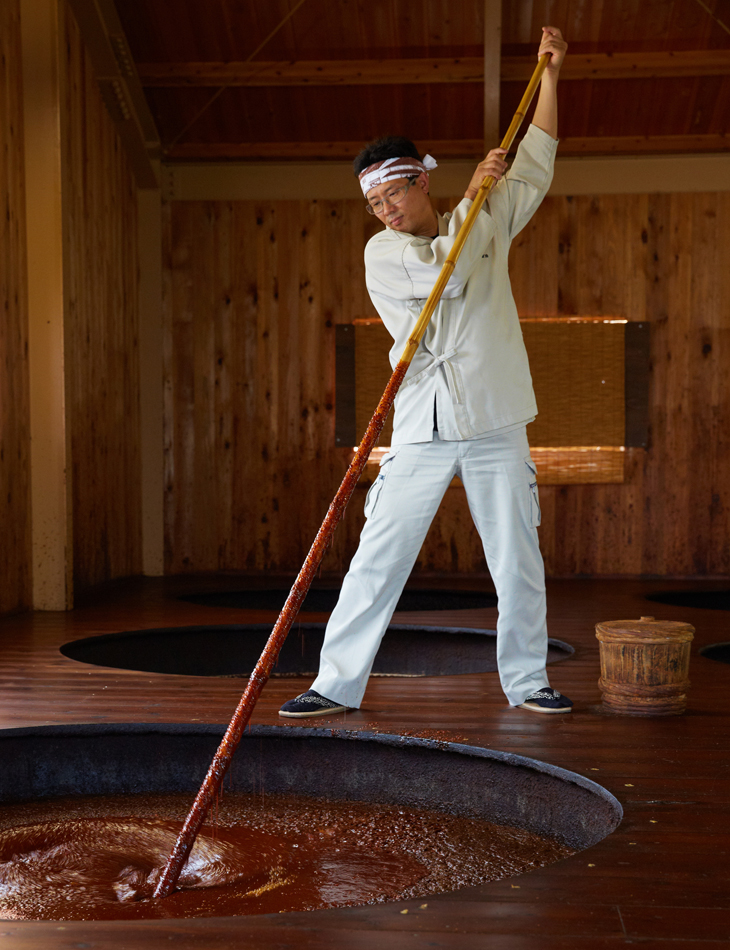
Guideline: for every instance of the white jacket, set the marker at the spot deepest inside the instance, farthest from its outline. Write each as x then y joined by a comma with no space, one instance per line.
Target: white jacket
472,359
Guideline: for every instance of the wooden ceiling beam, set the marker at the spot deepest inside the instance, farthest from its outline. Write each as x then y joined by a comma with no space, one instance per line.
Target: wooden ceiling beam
460,148
651,65
643,144
373,72
314,72
308,151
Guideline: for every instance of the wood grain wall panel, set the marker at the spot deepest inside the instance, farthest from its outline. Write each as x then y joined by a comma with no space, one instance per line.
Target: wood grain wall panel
666,516
15,547
275,277
715,362
102,375
532,269
249,378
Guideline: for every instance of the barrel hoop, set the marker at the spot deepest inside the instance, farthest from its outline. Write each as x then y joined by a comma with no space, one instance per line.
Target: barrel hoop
636,639
631,689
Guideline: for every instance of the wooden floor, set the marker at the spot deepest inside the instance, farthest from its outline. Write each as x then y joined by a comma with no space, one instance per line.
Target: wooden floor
660,881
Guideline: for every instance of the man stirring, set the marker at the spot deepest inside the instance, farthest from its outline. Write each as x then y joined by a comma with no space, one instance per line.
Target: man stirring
462,410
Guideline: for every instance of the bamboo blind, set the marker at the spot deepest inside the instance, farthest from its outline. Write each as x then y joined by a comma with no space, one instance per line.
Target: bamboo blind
578,375
372,372
577,368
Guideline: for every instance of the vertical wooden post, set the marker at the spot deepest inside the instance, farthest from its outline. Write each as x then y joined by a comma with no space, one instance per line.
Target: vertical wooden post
149,215
50,451
16,591
492,69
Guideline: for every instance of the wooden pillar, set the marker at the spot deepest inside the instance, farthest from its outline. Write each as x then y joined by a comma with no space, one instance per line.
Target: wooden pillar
149,216
492,59
50,451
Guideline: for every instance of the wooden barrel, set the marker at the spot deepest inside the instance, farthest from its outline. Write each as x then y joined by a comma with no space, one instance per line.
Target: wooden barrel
645,666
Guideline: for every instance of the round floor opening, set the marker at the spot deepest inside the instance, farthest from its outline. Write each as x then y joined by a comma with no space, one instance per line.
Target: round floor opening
717,651
360,817
324,599
233,649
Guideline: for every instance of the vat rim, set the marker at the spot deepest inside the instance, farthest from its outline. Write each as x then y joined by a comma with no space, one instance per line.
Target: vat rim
305,732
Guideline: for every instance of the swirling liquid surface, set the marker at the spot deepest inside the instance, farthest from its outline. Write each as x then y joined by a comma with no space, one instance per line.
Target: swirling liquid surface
99,858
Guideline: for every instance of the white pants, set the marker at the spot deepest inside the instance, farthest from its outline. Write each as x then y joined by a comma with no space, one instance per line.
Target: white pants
501,488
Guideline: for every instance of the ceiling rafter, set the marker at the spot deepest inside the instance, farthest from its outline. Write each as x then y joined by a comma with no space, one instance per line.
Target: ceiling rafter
658,64
448,148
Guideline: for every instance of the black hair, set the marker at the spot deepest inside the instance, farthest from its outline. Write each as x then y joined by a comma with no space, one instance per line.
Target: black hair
390,146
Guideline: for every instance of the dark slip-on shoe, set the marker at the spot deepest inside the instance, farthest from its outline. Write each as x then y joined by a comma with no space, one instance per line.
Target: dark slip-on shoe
310,704
547,700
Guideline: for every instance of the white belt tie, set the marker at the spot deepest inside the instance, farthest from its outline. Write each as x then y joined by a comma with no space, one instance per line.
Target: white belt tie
453,376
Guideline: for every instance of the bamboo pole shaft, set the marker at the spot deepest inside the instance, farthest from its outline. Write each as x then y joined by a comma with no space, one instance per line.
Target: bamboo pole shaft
212,782
486,186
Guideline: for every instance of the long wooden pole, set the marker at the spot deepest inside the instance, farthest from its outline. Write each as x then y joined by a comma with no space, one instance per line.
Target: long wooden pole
211,785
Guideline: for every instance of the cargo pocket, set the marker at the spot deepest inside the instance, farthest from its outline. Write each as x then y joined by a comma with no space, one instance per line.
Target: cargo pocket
371,499
535,515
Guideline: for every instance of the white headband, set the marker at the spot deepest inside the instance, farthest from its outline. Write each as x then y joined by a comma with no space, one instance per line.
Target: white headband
386,170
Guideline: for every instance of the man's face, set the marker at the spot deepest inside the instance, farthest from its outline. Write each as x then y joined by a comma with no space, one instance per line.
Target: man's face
413,213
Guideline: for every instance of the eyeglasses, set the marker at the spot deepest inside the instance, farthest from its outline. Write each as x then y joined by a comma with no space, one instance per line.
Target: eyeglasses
392,198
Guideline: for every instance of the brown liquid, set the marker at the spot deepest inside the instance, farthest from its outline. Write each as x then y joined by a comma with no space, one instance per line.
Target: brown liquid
87,859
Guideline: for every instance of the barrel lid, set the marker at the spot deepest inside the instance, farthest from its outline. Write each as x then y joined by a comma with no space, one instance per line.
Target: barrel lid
646,629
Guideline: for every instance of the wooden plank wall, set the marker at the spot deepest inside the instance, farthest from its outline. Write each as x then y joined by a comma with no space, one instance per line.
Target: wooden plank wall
252,290
252,293
15,543
102,372
662,258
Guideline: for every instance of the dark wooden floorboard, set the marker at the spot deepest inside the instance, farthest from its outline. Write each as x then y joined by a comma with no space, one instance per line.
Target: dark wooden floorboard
222,935
660,881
